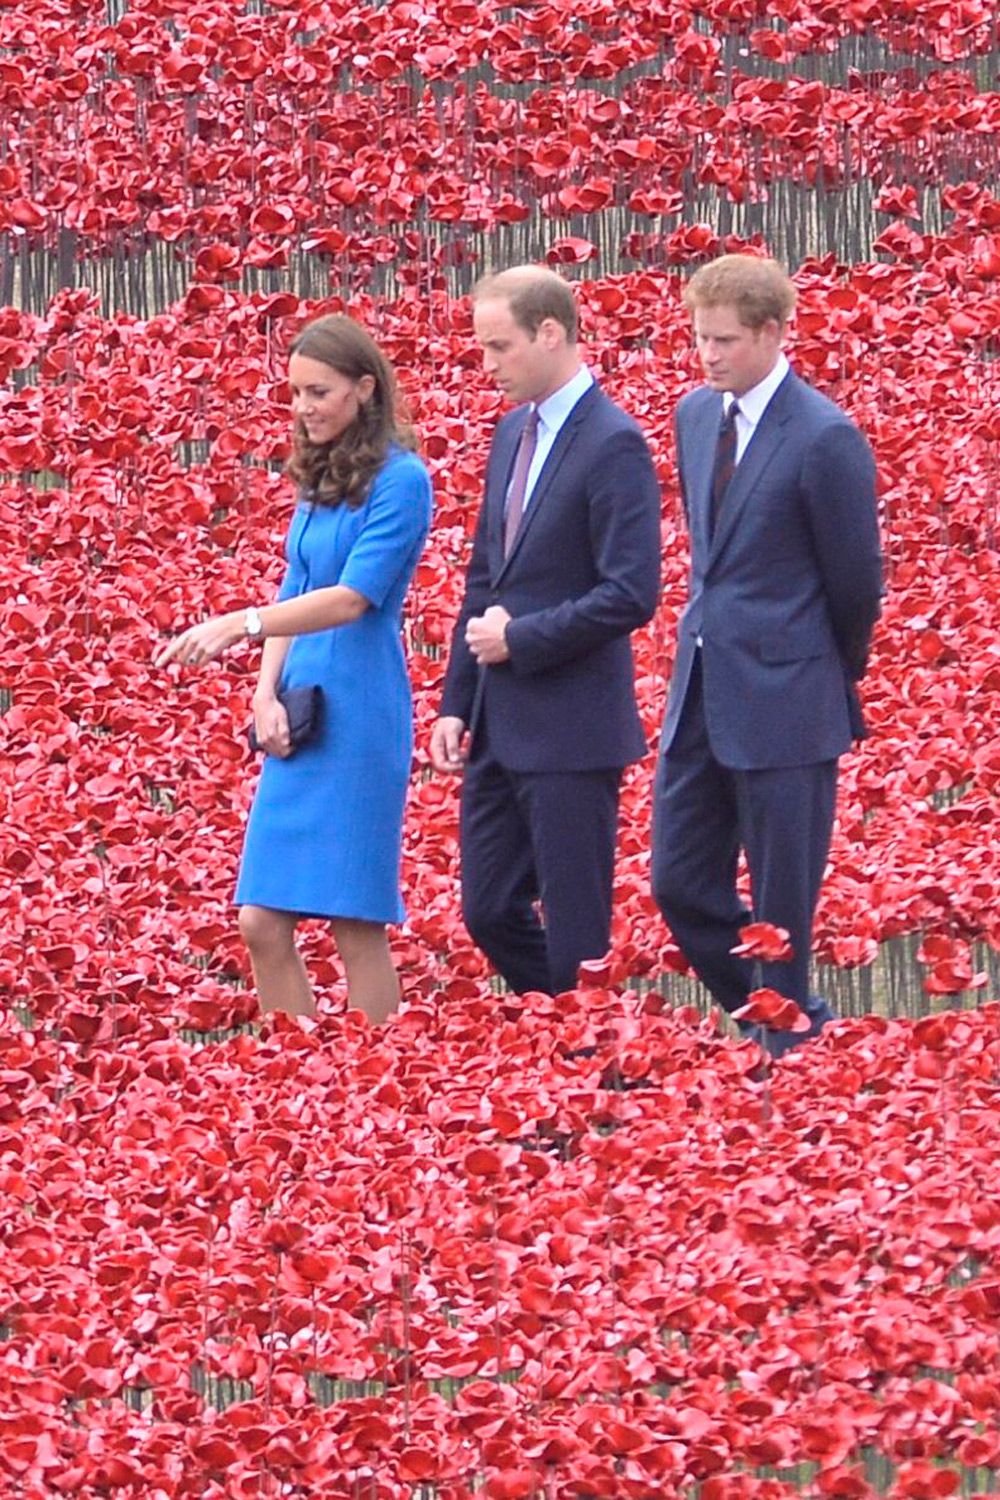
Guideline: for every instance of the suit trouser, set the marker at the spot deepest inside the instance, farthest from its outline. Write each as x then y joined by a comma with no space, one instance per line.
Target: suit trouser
703,813
530,836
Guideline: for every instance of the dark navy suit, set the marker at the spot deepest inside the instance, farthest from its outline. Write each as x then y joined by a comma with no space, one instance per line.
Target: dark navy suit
553,727
775,634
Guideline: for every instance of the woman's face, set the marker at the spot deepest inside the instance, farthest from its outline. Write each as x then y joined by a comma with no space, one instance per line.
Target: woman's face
324,400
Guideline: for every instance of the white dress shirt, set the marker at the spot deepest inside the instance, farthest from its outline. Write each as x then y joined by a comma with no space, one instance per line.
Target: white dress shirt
552,413
753,404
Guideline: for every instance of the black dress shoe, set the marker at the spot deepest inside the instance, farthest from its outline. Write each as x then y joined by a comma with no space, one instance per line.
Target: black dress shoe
777,1043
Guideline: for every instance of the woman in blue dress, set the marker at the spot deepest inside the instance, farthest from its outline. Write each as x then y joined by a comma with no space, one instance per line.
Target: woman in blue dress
325,829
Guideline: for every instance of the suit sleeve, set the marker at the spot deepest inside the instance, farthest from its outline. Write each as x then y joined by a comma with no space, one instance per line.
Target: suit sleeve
838,480
624,506
679,462
463,669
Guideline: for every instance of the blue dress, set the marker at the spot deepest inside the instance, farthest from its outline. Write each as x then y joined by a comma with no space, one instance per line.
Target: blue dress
325,829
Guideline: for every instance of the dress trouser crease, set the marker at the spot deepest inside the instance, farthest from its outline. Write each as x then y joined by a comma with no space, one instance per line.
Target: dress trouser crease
531,837
703,813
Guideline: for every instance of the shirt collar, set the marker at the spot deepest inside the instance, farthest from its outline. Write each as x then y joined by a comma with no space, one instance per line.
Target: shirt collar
753,403
553,411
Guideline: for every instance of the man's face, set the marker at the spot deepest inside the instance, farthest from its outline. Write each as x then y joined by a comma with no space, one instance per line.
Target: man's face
734,357
523,365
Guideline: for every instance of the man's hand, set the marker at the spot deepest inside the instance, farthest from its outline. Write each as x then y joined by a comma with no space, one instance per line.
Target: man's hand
448,753
486,636
200,643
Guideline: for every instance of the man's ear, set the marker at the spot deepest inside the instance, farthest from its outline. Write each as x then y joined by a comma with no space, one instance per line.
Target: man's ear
551,333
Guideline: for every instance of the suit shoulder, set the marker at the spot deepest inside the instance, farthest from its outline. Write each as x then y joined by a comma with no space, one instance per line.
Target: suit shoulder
696,402
506,435
819,410
510,418
597,405
605,418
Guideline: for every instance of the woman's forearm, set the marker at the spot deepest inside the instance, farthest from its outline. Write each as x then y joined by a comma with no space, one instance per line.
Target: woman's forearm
272,659
319,609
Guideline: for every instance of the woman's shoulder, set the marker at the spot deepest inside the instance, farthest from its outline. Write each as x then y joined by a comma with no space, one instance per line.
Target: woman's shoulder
400,461
404,469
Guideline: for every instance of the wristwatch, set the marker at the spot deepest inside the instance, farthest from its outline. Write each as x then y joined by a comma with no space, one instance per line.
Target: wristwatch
253,625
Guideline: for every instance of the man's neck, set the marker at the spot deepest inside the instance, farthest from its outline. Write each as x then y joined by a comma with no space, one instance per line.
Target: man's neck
559,380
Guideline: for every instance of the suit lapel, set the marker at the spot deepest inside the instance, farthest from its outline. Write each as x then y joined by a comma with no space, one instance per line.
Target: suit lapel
564,441
700,448
502,464
769,434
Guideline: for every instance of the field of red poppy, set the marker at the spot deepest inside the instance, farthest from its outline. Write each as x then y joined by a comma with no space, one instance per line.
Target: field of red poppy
507,1247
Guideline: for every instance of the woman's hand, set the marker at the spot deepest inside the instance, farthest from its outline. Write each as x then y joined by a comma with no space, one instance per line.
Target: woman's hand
200,643
270,723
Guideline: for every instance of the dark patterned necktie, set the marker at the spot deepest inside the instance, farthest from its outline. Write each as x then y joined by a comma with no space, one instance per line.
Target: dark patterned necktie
725,463
519,481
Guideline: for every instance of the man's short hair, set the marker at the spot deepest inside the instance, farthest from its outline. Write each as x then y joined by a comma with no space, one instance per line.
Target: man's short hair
533,293
760,290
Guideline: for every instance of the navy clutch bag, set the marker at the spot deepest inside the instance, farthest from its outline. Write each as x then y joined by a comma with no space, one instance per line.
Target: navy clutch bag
304,707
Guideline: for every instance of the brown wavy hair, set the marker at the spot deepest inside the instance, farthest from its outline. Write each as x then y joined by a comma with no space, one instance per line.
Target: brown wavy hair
341,472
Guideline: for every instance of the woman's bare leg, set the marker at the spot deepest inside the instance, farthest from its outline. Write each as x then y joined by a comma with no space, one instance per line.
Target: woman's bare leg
372,982
278,970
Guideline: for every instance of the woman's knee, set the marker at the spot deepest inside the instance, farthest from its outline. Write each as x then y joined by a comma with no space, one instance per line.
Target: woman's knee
266,931
357,940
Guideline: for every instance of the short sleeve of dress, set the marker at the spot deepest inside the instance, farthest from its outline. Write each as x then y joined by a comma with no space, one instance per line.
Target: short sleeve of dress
397,518
294,581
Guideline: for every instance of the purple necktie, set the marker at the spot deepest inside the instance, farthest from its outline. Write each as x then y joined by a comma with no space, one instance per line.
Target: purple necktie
519,481
725,464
